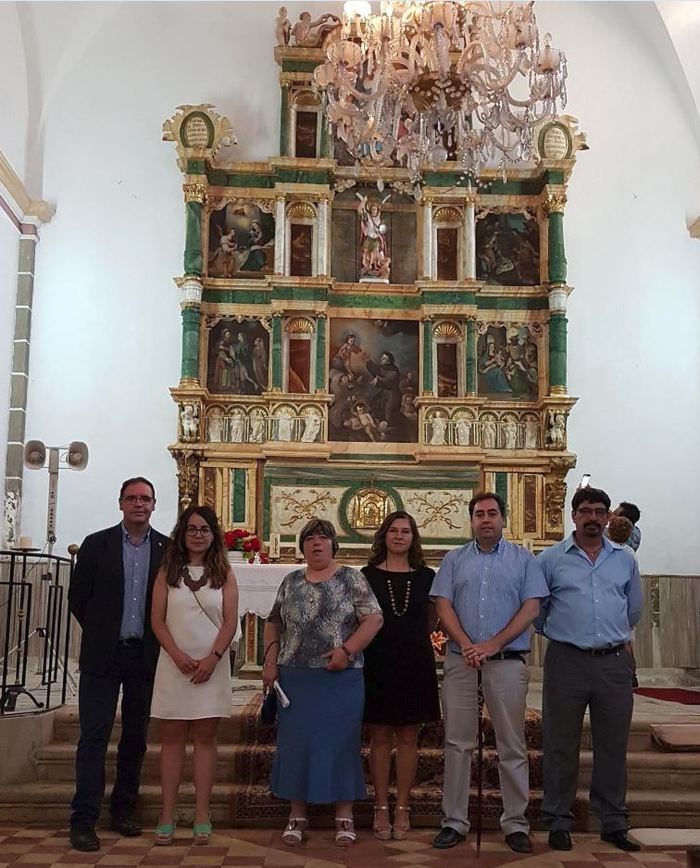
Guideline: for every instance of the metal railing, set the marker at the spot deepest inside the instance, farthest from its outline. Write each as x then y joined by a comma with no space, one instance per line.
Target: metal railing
34,631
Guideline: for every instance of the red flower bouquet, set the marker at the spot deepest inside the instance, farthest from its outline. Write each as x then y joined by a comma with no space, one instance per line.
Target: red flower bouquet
245,541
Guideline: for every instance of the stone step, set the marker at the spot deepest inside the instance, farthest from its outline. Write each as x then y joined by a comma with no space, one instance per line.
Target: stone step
236,729
239,806
242,765
238,764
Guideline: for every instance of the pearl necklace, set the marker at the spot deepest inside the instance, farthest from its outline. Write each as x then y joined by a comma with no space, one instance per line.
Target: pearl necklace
392,600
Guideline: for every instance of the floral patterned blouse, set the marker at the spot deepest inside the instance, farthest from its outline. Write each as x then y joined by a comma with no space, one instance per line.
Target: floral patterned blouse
315,617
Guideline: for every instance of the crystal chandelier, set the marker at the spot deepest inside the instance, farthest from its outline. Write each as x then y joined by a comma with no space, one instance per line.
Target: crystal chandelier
428,80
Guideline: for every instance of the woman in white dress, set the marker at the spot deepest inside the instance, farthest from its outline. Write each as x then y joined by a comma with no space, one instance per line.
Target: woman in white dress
194,616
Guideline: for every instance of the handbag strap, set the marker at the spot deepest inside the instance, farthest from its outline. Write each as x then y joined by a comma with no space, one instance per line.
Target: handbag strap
218,626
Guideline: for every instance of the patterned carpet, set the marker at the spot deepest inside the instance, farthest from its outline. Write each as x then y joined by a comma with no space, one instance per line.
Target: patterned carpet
42,848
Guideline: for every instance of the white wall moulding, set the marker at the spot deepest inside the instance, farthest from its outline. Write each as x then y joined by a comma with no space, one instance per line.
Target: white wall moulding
15,196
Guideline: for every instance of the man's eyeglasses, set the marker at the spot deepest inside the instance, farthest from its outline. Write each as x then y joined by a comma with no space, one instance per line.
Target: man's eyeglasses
191,530
138,498
587,513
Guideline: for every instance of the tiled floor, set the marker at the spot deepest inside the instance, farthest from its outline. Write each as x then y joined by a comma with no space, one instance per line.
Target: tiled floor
41,848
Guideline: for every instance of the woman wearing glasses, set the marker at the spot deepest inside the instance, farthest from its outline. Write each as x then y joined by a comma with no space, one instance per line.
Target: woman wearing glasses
194,616
323,618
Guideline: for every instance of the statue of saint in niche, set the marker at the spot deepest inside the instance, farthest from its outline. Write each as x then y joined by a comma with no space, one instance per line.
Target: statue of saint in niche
375,262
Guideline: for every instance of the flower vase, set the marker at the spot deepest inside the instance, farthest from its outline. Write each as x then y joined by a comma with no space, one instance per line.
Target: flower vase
237,557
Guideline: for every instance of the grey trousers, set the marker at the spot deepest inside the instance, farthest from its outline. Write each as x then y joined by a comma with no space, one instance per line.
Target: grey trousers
572,681
505,688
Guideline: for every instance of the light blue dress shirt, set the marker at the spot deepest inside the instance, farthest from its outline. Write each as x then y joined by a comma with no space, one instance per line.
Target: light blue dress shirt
591,605
487,588
137,561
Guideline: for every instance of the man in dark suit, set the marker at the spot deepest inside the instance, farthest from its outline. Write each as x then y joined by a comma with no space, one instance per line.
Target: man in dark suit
110,596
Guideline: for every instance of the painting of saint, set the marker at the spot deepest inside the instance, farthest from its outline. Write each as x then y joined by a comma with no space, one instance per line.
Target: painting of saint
507,363
241,241
508,248
372,378
238,358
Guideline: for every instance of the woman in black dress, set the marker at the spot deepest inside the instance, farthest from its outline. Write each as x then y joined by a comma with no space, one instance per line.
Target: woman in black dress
401,691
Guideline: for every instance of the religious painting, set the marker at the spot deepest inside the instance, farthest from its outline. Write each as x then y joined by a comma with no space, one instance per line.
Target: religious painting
299,378
508,248
373,378
507,363
301,249
447,377
238,358
305,133
241,240
447,252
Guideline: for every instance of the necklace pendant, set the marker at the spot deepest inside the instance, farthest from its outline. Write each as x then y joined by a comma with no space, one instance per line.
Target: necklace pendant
193,584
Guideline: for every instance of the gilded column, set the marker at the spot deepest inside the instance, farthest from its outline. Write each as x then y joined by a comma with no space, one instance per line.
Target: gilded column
427,239
195,195
470,236
322,241
280,230
284,118
321,353
427,357
277,352
190,305
471,357
556,263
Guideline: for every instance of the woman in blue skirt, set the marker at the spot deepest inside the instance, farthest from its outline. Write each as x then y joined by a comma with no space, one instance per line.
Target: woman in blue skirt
322,619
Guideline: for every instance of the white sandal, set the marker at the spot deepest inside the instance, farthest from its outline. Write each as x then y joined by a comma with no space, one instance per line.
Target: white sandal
295,831
344,832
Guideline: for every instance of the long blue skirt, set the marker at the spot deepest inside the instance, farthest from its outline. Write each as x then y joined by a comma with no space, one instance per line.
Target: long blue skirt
319,736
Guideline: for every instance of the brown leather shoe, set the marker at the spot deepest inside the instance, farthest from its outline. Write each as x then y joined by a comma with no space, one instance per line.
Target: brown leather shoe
519,842
82,838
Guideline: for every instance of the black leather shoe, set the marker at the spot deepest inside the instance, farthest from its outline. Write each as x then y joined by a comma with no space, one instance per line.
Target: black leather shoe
126,827
620,840
560,839
519,842
447,837
84,839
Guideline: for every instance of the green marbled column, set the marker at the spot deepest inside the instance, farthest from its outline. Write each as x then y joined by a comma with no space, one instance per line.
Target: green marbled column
321,353
427,357
557,254
284,122
193,238
557,352
277,352
326,141
471,357
189,370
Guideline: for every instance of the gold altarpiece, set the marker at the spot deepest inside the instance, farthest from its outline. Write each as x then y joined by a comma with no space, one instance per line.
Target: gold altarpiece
353,343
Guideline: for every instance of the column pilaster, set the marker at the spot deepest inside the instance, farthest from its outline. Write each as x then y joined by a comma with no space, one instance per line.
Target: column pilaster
471,357
195,195
427,357
321,353
190,306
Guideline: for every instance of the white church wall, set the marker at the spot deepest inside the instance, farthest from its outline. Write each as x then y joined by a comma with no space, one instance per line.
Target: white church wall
14,110
106,336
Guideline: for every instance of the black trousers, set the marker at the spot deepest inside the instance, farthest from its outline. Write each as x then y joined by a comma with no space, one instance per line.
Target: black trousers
572,681
97,706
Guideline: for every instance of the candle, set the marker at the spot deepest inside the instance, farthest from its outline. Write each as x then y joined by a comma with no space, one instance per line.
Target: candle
25,542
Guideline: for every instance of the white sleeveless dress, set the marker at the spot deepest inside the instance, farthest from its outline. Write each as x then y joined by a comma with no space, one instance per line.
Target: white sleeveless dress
174,695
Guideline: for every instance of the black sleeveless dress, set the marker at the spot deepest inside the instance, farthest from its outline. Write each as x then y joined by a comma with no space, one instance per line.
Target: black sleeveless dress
400,678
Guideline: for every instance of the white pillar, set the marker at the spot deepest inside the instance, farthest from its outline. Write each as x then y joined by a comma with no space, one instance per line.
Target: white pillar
280,231
427,239
470,238
322,238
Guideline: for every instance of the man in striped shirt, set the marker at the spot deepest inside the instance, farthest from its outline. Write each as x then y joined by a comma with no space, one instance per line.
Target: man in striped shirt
487,593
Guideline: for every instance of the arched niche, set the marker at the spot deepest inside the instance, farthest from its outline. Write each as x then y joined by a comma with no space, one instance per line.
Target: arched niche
299,365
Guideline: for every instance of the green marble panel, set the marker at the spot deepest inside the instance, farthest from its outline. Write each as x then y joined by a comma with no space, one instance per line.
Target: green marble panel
502,302
299,65
190,343
238,494
193,238
196,167
284,122
447,296
471,357
303,176
501,486
557,253
557,350
373,301
427,353
276,352
321,352
236,296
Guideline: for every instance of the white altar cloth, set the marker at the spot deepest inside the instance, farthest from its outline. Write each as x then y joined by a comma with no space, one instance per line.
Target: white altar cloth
257,587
